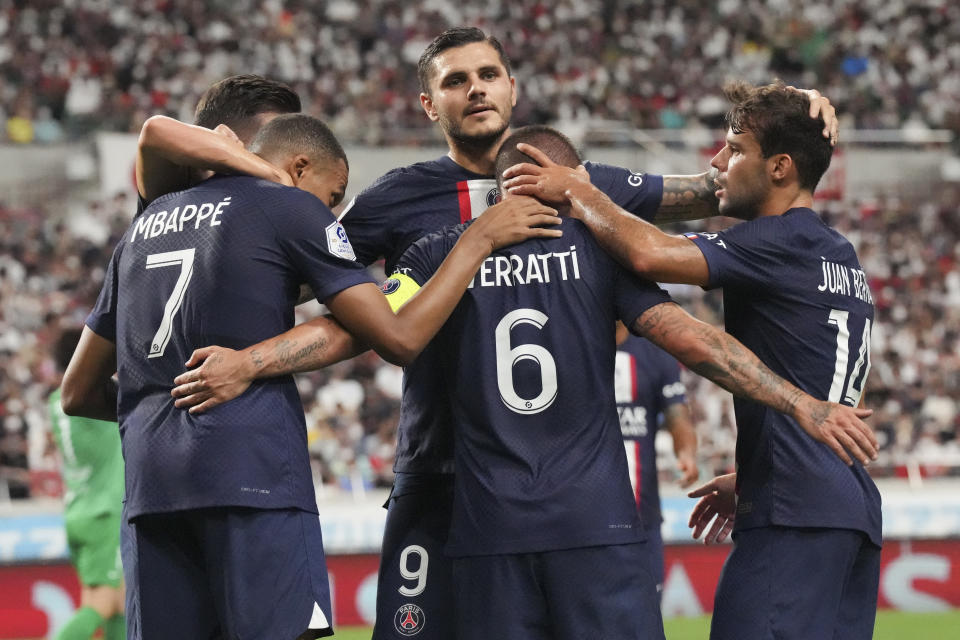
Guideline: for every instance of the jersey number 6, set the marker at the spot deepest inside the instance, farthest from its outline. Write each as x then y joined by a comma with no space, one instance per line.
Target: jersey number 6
508,357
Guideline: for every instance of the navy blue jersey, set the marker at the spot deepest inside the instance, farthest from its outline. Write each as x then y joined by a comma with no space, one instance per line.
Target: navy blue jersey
795,294
408,203
217,264
646,382
528,356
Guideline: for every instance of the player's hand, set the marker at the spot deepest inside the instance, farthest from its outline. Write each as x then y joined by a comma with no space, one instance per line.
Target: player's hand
512,220
229,134
687,466
546,181
820,106
718,503
222,374
839,427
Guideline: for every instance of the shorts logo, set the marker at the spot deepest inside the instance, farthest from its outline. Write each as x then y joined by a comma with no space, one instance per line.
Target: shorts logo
493,197
409,620
635,179
389,286
338,243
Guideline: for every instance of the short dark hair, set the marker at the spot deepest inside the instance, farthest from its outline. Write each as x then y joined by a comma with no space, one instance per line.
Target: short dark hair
449,39
64,347
557,146
297,133
234,101
778,117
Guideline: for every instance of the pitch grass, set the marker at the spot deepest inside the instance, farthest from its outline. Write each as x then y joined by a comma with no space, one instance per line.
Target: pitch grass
891,625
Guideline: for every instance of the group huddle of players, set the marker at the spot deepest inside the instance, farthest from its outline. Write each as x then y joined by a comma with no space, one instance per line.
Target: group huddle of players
512,514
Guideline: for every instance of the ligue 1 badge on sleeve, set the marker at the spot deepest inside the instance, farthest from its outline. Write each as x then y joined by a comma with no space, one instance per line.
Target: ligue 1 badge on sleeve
338,243
409,620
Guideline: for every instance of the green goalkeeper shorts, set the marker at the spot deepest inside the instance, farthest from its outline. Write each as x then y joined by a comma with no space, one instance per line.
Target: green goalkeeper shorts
95,549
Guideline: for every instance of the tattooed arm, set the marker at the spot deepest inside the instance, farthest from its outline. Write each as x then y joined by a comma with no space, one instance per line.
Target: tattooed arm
718,356
638,245
688,198
222,374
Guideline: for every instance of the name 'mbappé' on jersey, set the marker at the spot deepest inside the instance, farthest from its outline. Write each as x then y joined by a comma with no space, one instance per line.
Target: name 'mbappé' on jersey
405,205
217,264
528,356
795,294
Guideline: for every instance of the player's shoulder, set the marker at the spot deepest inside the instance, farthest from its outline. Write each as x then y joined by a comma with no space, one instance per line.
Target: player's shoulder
442,238
404,179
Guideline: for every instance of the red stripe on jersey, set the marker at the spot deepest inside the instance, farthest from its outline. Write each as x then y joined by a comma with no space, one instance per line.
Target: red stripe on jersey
634,388
638,473
463,195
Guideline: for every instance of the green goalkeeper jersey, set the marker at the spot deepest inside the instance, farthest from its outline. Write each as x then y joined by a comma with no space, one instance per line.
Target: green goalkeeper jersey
92,463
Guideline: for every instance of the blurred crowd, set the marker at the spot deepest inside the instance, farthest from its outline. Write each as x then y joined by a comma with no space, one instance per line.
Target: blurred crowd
50,273
69,66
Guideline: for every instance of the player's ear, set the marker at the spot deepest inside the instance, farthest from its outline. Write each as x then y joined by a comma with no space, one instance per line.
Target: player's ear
298,165
427,103
781,166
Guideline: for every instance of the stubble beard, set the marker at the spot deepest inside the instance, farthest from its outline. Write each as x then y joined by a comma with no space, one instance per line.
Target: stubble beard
473,142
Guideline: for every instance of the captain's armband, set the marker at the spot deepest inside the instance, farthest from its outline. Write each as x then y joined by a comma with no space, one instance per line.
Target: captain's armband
399,288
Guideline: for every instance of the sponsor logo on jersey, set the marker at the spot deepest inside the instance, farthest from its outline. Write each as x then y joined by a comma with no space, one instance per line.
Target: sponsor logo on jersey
338,243
409,620
389,286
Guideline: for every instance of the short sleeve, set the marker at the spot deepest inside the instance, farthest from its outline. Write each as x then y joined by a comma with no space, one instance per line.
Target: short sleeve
316,244
633,296
366,219
102,320
749,254
672,389
638,193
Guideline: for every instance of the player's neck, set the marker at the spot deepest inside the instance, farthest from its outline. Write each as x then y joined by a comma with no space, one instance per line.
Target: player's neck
479,159
781,201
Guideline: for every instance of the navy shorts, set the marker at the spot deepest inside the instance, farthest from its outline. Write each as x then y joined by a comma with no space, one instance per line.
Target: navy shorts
790,583
653,551
574,594
415,583
227,573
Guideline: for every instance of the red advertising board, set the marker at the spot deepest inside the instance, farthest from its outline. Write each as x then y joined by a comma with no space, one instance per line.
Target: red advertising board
916,576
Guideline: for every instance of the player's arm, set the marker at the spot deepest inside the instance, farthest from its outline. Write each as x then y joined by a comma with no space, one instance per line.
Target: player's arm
718,356
88,387
218,374
399,338
677,420
169,152
635,243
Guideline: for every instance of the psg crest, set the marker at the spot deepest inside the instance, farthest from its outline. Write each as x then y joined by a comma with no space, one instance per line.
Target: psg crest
409,620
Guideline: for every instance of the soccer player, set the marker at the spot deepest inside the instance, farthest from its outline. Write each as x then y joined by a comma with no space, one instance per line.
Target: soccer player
807,529
222,505
544,530
172,156
467,88
651,397
93,478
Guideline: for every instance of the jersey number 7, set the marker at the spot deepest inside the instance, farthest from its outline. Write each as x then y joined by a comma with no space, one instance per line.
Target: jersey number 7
183,258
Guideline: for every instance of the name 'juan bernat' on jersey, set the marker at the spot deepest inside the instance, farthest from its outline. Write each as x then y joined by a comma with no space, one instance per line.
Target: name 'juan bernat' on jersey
795,294
646,382
220,263
529,359
408,203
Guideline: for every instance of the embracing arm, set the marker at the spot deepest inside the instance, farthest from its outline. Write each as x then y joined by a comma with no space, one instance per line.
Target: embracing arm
169,150
400,338
88,387
718,356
